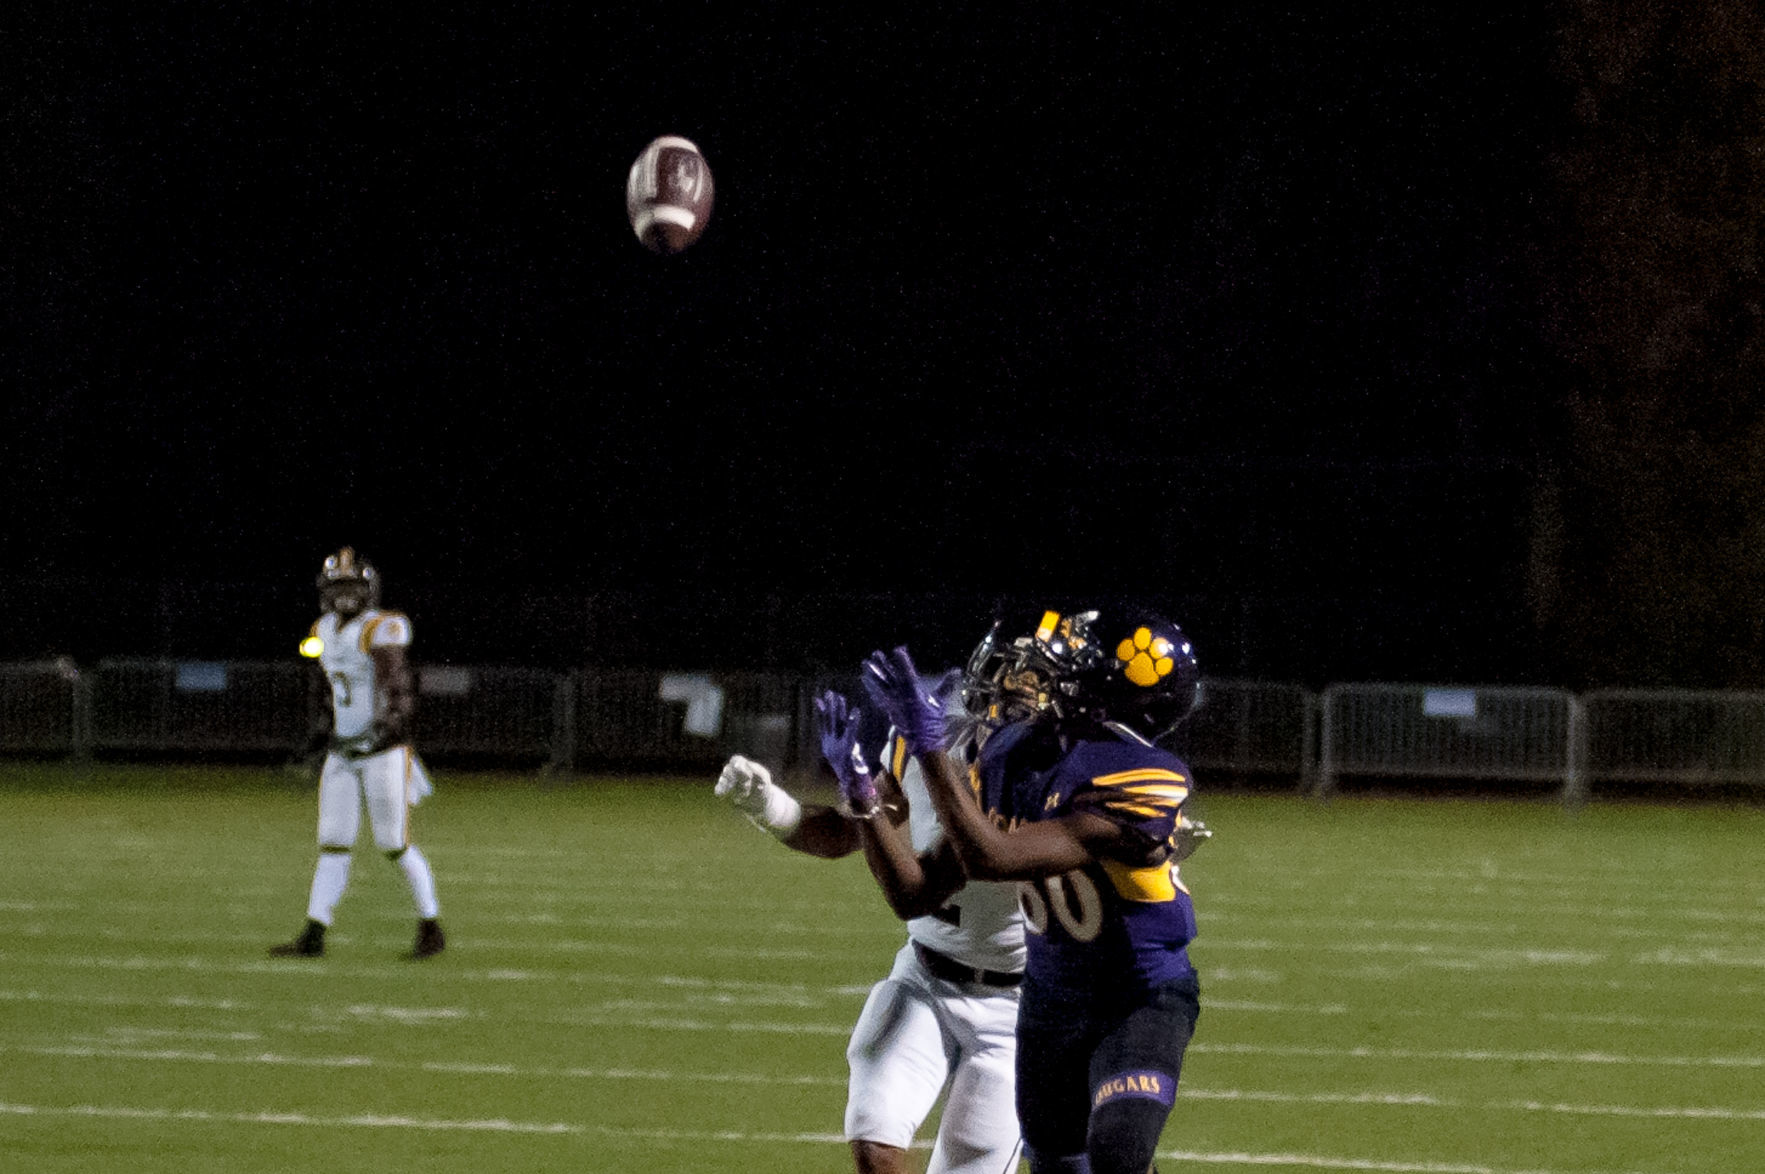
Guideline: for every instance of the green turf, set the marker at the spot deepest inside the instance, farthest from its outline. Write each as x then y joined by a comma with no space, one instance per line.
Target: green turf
638,981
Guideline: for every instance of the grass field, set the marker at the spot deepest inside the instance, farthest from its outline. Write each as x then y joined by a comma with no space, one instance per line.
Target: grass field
638,981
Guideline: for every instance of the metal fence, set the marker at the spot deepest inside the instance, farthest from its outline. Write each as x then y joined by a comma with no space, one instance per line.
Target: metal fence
1484,733
1637,736
155,706
1250,728
596,719
42,708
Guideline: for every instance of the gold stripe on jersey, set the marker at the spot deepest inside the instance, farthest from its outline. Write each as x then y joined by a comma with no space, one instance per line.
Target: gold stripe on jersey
1151,800
898,758
1144,792
368,628
1153,883
1140,775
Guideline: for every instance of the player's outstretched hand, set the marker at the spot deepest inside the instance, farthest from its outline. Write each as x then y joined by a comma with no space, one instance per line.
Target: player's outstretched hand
749,787
893,684
744,782
838,725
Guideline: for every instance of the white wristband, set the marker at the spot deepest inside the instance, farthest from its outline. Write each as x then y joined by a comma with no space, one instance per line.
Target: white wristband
782,812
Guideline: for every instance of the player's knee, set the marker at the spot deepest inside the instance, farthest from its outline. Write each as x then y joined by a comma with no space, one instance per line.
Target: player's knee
873,1157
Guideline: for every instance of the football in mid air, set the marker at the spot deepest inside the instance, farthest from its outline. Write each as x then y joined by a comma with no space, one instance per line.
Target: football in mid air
668,194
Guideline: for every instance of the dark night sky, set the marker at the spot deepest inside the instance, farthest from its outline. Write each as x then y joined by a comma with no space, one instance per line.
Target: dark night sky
1224,306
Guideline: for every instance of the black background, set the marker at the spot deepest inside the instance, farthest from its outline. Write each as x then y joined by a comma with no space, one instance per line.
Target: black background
1227,309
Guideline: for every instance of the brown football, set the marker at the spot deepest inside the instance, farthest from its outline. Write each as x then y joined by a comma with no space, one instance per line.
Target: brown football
668,194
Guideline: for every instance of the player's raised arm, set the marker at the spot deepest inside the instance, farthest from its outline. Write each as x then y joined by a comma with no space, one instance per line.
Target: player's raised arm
913,883
811,829
985,851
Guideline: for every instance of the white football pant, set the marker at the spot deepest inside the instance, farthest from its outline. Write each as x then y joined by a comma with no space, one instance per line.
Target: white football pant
916,1032
384,780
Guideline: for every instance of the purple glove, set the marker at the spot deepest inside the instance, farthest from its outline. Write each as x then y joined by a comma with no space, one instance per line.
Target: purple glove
838,724
894,685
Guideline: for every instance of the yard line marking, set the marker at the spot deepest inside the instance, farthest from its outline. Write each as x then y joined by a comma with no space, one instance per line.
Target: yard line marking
122,1034
1428,1101
544,1072
183,1001
740,992
1593,1019
306,969
1460,967
1424,949
1320,1162
1587,1018
469,1068
1504,928
1634,1111
365,1120
1480,1056
1566,980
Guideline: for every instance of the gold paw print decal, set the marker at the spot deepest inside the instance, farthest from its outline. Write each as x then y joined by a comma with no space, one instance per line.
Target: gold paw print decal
1148,657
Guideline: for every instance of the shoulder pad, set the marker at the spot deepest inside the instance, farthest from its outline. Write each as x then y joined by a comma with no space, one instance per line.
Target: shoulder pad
385,629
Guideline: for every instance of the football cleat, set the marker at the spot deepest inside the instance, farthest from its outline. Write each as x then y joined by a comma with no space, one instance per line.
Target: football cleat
310,944
430,940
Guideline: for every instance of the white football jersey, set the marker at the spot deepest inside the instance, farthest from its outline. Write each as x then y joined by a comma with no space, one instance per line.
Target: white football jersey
982,923
349,666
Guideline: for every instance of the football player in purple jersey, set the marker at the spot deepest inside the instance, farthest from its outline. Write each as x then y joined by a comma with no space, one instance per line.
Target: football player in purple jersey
1071,798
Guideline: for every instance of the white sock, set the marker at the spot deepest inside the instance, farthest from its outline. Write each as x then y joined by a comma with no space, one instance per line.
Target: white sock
422,881
330,878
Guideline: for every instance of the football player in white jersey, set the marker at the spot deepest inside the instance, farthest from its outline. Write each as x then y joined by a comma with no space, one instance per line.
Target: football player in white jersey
946,1015
361,650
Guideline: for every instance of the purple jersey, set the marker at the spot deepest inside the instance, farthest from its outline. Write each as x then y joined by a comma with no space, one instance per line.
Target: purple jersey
1114,927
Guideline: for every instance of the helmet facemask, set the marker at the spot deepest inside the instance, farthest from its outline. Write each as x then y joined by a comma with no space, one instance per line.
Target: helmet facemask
347,585
1077,668
1031,677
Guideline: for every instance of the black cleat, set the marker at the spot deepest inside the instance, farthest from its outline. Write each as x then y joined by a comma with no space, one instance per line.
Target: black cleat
430,940
310,944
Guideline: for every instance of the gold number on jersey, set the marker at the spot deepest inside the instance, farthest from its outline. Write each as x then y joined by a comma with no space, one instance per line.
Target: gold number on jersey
1074,899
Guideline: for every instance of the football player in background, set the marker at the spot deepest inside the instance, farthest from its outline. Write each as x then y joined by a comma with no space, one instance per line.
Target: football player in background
361,652
1077,804
946,1014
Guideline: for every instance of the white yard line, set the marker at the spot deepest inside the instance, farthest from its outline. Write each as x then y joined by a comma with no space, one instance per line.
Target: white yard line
179,1001
1379,1166
735,992
1479,1056
365,1120
701,1137
1388,1099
